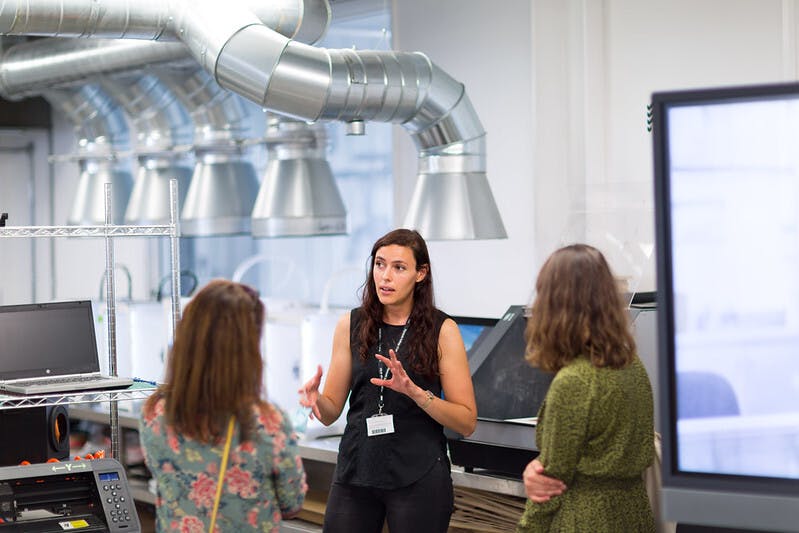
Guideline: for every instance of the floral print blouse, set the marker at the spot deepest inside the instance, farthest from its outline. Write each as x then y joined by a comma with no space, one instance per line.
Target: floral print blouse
264,477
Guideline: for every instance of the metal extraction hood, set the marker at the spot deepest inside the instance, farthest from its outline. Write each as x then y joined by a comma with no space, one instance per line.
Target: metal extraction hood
298,194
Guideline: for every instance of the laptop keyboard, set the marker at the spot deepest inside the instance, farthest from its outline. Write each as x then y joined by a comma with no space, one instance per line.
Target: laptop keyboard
68,379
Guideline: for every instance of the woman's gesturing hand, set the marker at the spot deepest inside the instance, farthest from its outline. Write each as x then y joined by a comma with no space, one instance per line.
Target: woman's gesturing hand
396,377
309,393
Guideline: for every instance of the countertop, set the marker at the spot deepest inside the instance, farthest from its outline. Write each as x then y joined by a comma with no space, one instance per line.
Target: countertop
325,450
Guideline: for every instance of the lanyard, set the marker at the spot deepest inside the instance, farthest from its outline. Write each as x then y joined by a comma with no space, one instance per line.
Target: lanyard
380,364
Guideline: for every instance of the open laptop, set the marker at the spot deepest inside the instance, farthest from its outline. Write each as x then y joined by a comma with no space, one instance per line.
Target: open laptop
50,348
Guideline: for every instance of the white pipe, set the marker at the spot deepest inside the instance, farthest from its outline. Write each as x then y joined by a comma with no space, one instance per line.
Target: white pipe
324,304
248,263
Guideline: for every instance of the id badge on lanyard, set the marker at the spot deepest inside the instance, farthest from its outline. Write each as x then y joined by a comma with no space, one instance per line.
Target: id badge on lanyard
379,425
382,423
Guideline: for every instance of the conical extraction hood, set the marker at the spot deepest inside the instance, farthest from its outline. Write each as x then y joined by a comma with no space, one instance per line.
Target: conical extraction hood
102,132
298,195
57,63
88,207
454,201
149,200
221,195
454,206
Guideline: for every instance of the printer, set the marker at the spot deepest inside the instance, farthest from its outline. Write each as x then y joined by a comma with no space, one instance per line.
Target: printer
508,392
90,495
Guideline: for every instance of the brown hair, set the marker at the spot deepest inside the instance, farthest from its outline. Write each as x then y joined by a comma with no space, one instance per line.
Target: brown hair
423,344
215,368
578,311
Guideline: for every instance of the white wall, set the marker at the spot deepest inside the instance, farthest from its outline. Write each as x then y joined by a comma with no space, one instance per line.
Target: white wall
561,87
24,195
488,50
44,269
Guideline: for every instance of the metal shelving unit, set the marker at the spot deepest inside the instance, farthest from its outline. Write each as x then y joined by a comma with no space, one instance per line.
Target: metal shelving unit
109,231
137,391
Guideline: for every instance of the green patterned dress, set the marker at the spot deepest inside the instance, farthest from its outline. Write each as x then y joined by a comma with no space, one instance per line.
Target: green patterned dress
595,433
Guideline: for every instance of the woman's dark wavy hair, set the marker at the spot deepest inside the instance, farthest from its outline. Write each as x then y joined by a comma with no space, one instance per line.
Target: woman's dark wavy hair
215,367
423,352
578,311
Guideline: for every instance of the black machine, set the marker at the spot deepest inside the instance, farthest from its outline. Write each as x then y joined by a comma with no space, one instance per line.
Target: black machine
508,392
34,434
73,495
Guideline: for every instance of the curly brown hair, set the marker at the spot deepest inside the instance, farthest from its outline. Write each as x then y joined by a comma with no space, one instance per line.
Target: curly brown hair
578,311
214,370
423,344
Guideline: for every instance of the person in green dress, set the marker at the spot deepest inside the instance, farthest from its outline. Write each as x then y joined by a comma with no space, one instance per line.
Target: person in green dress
595,426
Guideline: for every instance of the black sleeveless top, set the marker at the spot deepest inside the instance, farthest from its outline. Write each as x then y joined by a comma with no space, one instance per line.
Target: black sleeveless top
396,459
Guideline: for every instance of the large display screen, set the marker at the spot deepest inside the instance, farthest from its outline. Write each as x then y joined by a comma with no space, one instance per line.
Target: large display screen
727,206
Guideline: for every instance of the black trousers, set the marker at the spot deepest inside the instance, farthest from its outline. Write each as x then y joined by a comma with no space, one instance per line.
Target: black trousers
422,507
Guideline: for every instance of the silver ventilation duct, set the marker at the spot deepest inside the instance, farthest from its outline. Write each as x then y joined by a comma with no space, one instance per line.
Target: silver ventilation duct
452,199
226,182
102,132
151,20
298,194
308,83
30,67
161,124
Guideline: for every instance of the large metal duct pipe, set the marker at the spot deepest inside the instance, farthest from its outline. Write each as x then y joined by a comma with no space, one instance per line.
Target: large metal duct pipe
161,126
452,199
27,68
226,184
30,67
102,132
303,20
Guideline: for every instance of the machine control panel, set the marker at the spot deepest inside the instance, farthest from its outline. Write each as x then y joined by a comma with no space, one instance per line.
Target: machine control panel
90,495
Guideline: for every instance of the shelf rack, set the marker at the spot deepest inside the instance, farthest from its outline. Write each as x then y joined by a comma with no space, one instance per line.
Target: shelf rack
137,391
109,231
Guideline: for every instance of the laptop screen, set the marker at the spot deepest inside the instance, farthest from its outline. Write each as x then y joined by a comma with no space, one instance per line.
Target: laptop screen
47,339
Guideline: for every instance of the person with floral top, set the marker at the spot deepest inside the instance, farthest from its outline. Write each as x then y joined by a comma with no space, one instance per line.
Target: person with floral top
214,373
